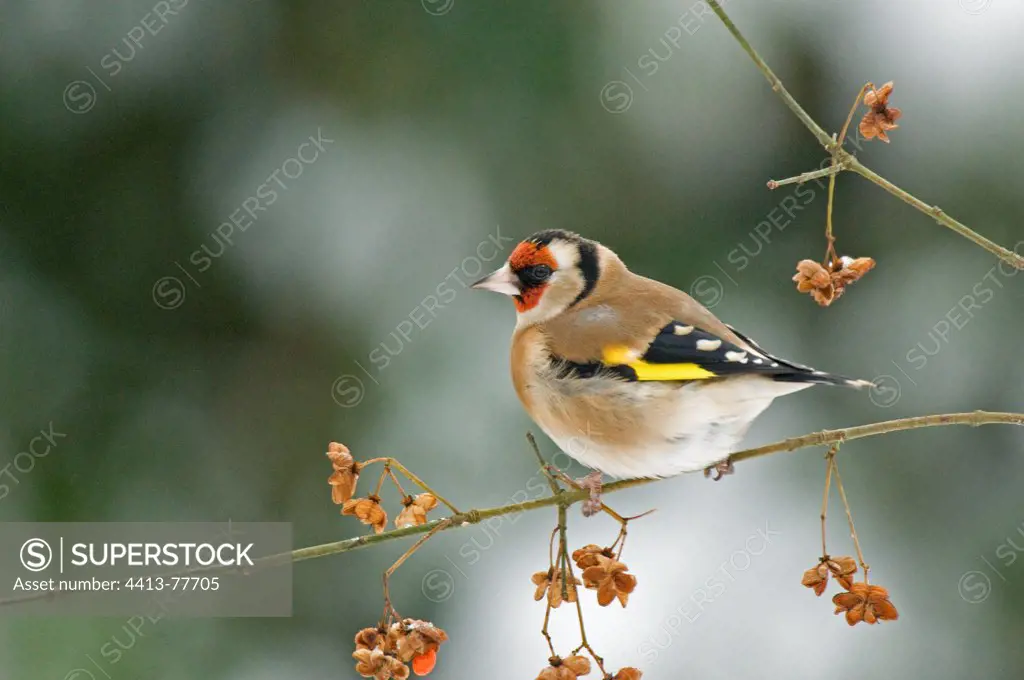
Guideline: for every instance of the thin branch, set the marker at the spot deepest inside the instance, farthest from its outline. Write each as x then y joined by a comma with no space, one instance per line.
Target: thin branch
393,463
853,110
831,257
544,629
573,484
849,518
934,212
554,475
380,482
584,643
806,177
563,548
846,160
620,541
824,500
551,571
391,473
551,549
823,137
543,464
443,524
568,498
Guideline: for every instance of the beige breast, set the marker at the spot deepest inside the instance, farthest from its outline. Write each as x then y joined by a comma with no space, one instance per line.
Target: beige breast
602,410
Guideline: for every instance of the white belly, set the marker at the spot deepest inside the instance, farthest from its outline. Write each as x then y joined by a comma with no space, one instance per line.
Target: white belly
657,429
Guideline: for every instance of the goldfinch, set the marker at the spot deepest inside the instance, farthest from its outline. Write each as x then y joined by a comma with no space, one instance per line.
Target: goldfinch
629,376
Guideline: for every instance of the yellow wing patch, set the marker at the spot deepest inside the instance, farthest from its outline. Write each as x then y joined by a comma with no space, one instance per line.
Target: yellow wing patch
623,356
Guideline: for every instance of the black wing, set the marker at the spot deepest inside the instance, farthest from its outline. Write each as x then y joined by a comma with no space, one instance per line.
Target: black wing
681,352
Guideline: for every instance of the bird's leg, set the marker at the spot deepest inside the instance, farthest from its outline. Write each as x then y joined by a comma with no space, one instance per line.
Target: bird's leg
720,469
592,483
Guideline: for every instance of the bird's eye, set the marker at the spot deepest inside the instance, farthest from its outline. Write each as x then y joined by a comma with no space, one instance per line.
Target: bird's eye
536,274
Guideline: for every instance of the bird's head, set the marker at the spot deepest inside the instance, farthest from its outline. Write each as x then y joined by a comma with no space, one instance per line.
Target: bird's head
546,274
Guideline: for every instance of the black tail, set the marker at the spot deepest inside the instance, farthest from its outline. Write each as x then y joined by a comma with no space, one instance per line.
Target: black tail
799,373
817,377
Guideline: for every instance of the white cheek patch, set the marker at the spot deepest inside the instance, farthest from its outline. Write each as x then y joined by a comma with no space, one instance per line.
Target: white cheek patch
566,255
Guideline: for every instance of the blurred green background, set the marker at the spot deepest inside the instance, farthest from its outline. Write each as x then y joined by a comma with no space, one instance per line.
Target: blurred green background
199,374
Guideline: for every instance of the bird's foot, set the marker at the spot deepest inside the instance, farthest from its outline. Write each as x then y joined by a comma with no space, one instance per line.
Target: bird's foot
592,483
720,469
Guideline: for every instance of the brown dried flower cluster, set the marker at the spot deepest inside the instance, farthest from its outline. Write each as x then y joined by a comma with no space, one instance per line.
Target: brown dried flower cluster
880,117
384,653
605,574
628,673
416,641
346,473
368,510
370,638
826,285
611,581
377,664
569,668
591,556
863,602
415,510
550,581
843,568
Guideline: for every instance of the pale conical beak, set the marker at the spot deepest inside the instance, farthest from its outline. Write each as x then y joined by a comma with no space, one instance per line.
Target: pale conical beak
500,281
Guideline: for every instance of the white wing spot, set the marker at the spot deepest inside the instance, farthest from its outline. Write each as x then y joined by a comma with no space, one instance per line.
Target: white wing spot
708,345
758,361
682,330
737,357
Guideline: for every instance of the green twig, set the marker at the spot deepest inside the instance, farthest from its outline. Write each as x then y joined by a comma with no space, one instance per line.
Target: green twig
568,498
806,177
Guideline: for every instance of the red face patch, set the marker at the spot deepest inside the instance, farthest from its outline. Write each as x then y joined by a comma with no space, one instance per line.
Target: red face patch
529,254
529,298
